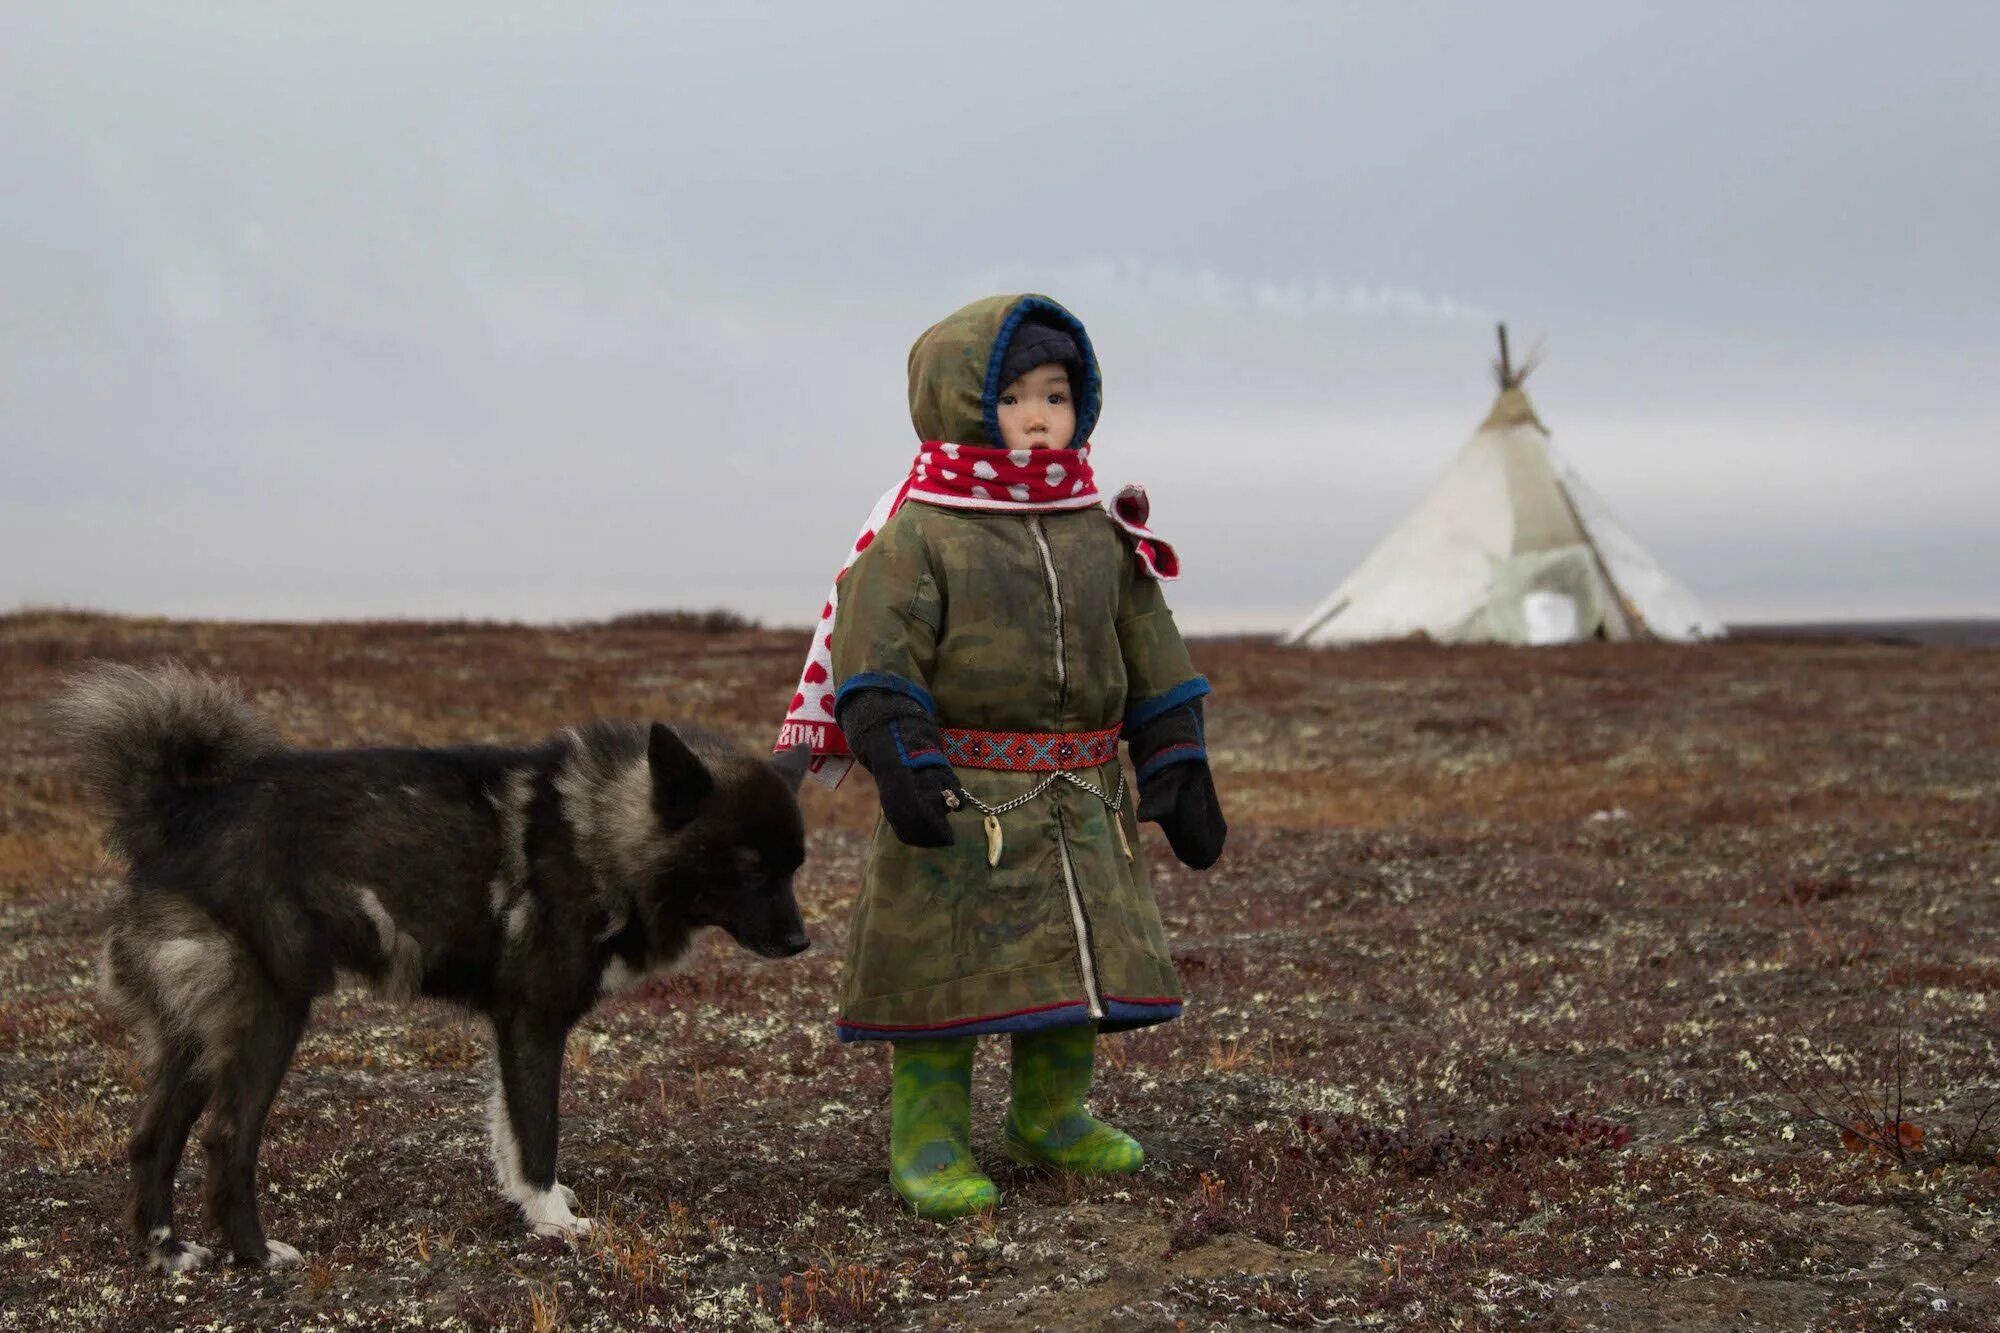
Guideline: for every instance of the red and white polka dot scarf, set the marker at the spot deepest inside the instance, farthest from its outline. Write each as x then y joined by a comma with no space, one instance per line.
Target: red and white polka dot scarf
959,476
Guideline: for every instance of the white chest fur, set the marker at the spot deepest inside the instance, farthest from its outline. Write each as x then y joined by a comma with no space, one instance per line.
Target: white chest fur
619,975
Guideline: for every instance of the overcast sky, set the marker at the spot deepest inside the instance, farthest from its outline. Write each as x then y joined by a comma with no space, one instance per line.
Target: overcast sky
561,311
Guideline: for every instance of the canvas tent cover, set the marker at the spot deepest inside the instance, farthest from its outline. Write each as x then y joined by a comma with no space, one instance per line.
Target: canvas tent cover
1509,546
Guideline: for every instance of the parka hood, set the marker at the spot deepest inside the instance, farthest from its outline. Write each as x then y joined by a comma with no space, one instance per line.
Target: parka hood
955,370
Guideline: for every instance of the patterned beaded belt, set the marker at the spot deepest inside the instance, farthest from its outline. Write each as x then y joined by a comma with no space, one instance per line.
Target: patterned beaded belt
1030,751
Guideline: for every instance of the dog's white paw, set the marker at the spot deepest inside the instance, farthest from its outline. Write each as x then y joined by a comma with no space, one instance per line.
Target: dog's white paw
569,1195
277,1254
548,1212
178,1256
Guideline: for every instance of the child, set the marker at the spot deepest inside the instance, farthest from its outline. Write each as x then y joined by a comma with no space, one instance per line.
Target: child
988,645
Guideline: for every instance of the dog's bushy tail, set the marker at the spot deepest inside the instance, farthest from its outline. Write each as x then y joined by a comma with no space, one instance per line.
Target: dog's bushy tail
143,735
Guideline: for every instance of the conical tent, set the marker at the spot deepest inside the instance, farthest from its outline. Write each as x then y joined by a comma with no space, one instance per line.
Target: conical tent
1510,546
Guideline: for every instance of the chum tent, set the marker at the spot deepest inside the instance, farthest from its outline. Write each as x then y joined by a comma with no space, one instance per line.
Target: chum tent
1510,546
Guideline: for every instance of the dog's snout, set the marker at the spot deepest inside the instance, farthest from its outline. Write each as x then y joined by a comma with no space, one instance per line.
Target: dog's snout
777,943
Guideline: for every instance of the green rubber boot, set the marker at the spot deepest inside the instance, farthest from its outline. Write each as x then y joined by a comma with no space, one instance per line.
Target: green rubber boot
930,1127
1046,1122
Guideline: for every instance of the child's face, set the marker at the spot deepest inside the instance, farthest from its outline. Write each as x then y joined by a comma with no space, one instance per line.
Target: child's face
1036,410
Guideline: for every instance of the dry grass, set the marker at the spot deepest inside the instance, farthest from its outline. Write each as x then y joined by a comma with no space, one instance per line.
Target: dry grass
1583,988
71,1129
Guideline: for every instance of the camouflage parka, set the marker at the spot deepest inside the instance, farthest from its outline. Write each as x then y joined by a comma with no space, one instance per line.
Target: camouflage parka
1006,621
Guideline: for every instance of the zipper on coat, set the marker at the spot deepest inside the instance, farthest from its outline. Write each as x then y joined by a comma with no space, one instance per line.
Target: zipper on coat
1079,921
1056,610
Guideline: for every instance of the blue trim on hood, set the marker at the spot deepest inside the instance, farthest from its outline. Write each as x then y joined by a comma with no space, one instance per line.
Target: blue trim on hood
1089,394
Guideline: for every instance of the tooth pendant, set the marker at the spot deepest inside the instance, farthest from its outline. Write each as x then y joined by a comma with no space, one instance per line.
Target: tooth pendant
1123,842
993,839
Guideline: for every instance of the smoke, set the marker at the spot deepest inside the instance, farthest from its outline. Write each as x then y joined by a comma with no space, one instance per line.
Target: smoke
1129,281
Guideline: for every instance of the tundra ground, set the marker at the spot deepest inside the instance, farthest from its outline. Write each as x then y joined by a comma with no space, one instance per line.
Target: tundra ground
1620,987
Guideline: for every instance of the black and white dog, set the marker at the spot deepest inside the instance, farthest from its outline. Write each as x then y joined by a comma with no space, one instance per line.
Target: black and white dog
522,883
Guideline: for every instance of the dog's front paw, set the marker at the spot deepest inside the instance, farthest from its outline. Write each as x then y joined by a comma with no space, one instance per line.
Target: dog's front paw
548,1212
277,1254
178,1256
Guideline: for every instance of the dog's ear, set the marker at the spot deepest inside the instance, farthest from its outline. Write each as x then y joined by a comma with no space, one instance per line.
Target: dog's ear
680,780
793,764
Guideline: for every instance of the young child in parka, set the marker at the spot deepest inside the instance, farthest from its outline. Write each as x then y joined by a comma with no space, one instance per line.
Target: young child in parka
996,631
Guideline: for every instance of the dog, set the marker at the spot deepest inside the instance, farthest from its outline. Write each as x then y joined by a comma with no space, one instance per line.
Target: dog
520,883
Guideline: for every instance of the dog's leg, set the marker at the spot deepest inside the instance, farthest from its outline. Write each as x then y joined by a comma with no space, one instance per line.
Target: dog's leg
235,1129
505,1148
179,1090
524,1127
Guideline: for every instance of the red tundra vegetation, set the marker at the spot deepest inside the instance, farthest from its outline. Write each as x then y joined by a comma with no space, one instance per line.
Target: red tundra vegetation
1634,986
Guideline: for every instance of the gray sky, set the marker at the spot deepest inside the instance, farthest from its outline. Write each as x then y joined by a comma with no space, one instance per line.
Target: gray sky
414,309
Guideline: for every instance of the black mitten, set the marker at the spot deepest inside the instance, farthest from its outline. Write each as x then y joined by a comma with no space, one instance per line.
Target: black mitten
1182,800
896,739
1176,789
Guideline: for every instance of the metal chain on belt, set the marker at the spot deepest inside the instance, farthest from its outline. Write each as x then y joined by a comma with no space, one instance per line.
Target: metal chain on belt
1111,802
990,822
